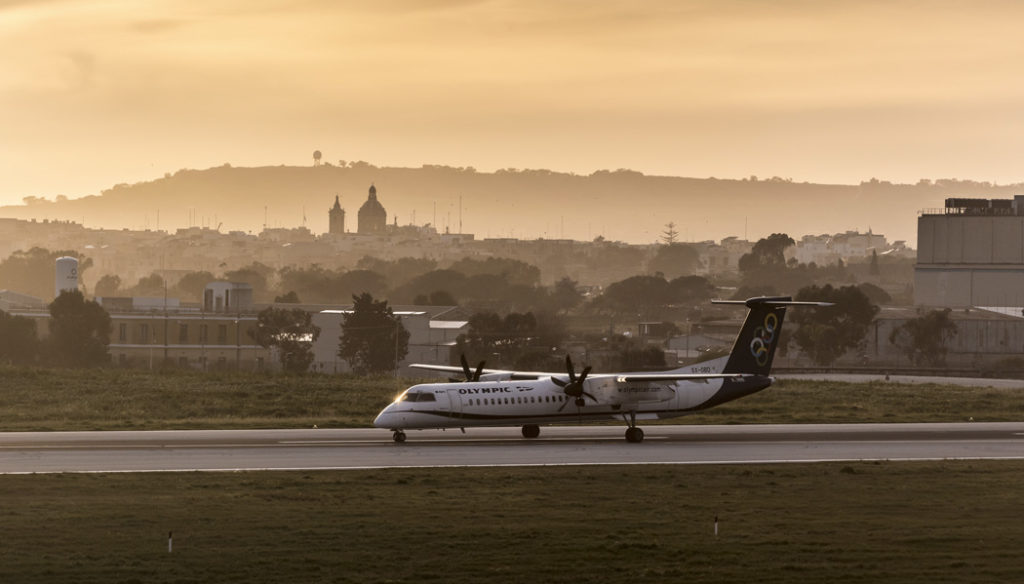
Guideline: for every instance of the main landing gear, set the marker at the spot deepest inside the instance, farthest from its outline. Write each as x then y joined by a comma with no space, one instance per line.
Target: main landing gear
633,432
398,436
531,430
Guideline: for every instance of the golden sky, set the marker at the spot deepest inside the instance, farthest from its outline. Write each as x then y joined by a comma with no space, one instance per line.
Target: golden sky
97,92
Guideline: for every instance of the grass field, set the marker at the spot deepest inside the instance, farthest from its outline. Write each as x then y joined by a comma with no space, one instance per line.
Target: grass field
861,522
858,522
117,399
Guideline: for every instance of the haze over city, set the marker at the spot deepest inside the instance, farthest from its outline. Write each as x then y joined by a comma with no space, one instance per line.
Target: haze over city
95,93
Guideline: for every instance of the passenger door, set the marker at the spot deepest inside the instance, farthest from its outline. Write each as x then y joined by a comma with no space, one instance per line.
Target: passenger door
454,403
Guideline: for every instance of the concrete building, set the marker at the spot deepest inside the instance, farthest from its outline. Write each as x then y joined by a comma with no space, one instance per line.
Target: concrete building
227,297
180,337
11,300
971,253
430,340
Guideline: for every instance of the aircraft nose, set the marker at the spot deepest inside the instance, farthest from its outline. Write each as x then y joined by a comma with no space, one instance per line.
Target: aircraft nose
381,421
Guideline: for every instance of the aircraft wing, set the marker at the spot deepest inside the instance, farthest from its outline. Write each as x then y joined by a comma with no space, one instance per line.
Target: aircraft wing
455,369
679,376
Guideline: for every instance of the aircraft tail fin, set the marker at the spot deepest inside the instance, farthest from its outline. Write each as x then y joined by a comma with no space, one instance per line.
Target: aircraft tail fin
759,337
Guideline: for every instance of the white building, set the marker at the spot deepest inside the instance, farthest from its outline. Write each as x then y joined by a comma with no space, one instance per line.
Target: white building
430,341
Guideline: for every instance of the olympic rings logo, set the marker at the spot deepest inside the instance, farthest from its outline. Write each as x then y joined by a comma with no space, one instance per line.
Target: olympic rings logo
763,337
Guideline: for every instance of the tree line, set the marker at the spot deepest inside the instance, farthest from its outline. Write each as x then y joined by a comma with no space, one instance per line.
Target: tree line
514,319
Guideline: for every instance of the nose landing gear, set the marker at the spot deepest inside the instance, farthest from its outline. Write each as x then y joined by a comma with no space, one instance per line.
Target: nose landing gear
398,436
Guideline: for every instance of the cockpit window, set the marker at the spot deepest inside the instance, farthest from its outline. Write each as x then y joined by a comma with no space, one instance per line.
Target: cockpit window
413,396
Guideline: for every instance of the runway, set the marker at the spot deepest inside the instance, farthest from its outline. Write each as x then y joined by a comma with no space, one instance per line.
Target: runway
237,450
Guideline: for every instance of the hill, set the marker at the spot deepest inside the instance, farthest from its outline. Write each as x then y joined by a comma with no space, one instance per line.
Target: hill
619,205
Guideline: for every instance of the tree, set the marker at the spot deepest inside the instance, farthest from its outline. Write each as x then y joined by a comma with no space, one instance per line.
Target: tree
436,298
767,252
255,275
289,298
670,235
108,285
152,285
448,280
32,272
826,333
79,331
691,290
18,340
292,332
397,272
638,294
674,260
192,285
874,293
515,339
873,268
565,295
511,270
923,339
373,339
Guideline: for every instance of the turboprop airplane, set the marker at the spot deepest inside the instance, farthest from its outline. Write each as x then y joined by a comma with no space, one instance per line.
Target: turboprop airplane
491,397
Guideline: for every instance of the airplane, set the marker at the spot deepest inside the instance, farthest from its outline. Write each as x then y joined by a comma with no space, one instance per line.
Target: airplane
491,397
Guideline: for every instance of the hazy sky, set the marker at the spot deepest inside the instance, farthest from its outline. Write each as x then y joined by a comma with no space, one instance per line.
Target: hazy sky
96,92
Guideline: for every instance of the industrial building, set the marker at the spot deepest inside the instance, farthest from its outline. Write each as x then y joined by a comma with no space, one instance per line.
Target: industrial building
431,337
971,253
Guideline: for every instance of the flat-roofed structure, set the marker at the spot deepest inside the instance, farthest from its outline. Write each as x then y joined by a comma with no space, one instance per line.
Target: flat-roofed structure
971,253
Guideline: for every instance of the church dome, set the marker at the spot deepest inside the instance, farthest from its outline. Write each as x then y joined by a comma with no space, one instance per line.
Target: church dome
372,216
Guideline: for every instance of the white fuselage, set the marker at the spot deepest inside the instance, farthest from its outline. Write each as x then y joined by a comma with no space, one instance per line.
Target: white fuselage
541,401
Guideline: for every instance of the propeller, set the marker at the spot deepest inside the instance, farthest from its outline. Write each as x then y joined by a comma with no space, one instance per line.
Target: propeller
470,375
574,387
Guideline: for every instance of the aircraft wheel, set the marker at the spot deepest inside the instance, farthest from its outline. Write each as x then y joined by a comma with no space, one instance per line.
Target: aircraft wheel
634,434
398,436
531,431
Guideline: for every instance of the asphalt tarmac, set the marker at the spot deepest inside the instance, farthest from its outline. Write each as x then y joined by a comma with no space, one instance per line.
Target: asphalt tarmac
236,450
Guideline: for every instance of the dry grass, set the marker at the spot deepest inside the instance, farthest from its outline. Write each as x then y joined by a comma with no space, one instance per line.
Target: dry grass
886,522
115,399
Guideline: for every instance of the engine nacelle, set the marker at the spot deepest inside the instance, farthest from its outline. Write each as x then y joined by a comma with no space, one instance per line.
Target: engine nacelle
610,391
